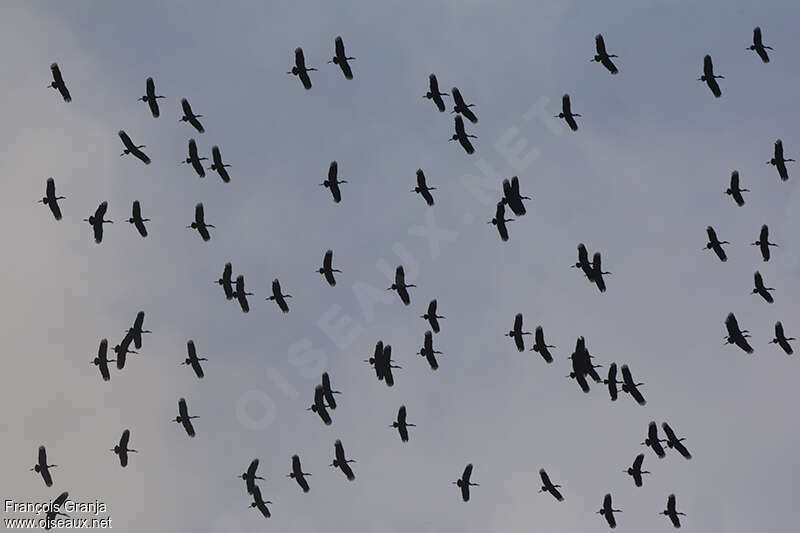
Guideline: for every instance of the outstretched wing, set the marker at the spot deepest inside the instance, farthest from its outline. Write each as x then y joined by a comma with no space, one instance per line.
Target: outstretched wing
600,45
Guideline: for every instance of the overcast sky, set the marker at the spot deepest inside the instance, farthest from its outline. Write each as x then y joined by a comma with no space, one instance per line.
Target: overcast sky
638,182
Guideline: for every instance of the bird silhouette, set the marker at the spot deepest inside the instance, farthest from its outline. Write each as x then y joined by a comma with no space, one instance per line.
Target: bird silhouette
151,98
51,200
602,56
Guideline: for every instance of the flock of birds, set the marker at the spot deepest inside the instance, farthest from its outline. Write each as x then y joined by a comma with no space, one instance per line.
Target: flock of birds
583,370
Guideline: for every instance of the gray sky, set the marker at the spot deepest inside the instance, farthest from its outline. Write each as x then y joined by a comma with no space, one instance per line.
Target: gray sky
639,182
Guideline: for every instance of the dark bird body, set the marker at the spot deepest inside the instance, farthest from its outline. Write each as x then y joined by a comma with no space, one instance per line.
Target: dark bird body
41,467
200,222
327,391
278,297
184,418
190,117
432,317
597,272
517,333
760,289
422,188
298,475
635,470
758,45
400,285
462,107
735,335
608,511
670,510
612,382
333,182
709,77
602,56
259,503
715,244
434,94
653,441
151,98
734,191
122,449
779,162
136,331
58,83
674,442
512,197
250,476
194,159
51,200
327,269
547,486
782,340
137,220
102,360
464,482
401,424
299,69
319,406
225,282
131,148
123,349
341,59
240,294
567,114
382,361
428,352
462,137
630,386
583,261
96,221
763,242
500,220
192,359
218,165
55,509
341,462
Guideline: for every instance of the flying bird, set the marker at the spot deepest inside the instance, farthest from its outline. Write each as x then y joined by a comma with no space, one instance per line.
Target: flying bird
462,107
602,56
779,162
190,117
401,424
734,191
760,289
122,449
54,509
279,298
319,406
597,272
341,59
333,182
464,483
259,503
41,467
382,361
422,188
298,475
547,486
151,98
670,510
462,137
225,282
674,442
194,160
432,317
631,387
299,69
192,359
136,331
240,294
517,333
327,269
500,220
51,200
218,165
131,148
612,382
653,441
327,391
763,242
540,347
782,340
567,114
512,197
428,352
400,285
200,222
137,220
608,511
123,349
434,94
341,462
102,360
635,470
96,221
583,261
715,244
250,476
184,418
735,335
760,49
709,77
58,83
